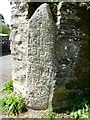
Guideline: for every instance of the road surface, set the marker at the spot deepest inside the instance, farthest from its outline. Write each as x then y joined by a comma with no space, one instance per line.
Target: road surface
5,68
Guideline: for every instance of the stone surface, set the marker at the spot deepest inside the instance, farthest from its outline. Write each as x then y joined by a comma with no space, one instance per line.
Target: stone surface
19,37
70,76
40,74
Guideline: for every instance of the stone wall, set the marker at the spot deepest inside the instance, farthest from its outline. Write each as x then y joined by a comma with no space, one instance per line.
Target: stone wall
70,83
19,36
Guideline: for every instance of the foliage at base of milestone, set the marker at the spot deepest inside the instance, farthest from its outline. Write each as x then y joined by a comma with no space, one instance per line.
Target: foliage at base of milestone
12,103
49,114
80,109
8,87
81,113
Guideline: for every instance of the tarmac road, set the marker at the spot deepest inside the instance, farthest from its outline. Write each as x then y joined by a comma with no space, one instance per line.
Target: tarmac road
5,68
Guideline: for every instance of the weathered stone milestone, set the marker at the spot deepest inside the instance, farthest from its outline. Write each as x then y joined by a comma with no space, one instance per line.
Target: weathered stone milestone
40,74
50,60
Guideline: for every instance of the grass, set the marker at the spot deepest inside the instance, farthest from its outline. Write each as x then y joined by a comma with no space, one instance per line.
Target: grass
8,87
81,113
49,114
12,103
80,109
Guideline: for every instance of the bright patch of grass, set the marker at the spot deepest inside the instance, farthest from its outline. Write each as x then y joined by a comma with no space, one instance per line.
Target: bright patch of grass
8,87
81,113
12,103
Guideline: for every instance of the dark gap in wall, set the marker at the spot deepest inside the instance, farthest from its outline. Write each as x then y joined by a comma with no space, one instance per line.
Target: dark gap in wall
32,6
53,7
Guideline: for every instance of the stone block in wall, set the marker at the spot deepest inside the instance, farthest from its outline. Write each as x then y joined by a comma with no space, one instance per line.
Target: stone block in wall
19,36
72,75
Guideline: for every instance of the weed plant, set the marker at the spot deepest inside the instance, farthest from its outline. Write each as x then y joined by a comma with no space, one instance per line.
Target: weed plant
12,103
8,87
